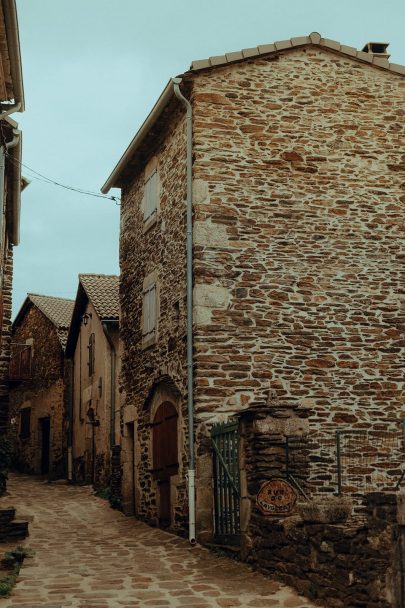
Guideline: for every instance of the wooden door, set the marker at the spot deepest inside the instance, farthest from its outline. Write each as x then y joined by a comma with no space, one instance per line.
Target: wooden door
165,456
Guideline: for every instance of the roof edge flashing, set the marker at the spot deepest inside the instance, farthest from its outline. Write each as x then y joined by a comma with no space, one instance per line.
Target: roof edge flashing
166,95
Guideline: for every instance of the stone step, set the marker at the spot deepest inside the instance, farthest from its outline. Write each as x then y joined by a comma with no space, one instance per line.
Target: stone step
7,514
18,528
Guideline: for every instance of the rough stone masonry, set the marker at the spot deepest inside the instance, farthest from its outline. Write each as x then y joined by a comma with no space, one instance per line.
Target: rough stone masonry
299,187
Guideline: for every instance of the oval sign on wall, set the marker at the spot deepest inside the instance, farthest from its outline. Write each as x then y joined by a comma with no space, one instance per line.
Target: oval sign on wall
276,497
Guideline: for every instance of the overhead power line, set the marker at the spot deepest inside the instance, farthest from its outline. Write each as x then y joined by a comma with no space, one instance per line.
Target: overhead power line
47,180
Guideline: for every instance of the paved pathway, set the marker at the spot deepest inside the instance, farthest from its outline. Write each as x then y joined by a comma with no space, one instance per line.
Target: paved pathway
89,556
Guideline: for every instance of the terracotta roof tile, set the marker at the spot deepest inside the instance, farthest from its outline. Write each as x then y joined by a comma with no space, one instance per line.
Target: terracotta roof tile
222,60
103,292
58,310
236,56
281,45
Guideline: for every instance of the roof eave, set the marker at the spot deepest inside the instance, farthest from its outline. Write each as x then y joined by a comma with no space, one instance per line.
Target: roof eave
74,329
14,51
165,97
21,313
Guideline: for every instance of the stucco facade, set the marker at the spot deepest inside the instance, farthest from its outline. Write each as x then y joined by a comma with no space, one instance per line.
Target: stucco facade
94,388
298,177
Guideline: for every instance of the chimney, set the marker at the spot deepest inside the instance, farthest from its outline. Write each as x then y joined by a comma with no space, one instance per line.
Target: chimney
377,49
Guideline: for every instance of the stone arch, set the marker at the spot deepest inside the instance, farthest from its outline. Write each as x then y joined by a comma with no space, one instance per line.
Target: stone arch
166,445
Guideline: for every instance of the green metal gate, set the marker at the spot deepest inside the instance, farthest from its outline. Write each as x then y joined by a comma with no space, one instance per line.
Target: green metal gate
225,441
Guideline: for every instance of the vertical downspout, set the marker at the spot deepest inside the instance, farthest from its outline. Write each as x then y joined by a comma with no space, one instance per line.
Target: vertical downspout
112,384
190,372
3,151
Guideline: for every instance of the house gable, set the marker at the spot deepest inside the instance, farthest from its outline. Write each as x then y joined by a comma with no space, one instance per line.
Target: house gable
155,124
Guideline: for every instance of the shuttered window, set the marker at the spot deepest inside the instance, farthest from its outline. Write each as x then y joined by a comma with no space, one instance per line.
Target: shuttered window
92,354
151,196
149,312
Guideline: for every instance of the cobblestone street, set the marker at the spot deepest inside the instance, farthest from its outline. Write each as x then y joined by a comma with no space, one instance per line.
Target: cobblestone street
89,556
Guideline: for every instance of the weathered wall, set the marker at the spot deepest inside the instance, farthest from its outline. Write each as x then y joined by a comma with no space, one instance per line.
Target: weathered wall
299,166
163,365
92,393
299,182
338,564
6,297
43,393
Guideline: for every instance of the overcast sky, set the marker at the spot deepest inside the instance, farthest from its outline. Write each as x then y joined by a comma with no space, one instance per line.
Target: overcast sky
92,71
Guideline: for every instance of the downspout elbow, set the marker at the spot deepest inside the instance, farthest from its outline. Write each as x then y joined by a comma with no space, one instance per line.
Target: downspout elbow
14,107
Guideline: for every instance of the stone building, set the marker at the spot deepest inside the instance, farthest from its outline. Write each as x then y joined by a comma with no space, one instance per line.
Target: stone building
39,384
93,348
11,182
298,180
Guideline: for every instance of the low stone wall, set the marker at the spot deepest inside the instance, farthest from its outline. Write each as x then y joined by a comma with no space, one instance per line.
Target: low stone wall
331,548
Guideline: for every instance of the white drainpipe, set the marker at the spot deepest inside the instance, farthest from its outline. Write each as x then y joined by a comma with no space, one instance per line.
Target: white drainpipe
190,371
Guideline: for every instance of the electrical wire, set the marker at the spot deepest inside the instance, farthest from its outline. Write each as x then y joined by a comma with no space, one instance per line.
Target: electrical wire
47,180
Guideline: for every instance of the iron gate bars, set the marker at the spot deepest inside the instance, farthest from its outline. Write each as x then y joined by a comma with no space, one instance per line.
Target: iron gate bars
225,442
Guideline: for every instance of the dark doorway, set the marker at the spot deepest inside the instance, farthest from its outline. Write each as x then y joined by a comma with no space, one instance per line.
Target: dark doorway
45,433
165,457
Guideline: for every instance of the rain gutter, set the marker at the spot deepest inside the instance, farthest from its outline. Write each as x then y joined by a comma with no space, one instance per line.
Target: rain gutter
15,152
16,187
165,97
14,53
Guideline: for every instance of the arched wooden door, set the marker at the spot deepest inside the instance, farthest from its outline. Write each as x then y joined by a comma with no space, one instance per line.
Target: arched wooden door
165,456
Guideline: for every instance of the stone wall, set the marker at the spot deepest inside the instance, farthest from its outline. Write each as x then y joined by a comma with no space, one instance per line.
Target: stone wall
6,294
159,371
299,182
44,392
342,565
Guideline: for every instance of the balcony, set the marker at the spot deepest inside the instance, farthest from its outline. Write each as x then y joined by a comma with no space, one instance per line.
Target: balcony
20,362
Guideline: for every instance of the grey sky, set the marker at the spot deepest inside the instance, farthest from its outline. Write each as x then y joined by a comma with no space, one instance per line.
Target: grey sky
92,71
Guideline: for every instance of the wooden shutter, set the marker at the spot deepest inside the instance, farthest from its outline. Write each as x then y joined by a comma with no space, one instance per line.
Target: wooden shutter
149,311
92,353
151,195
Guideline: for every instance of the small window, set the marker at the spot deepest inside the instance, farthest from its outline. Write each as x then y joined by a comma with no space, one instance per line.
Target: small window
92,354
25,423
149,313
151,197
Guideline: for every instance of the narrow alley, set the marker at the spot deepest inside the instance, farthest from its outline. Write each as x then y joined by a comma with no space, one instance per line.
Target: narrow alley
89,556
